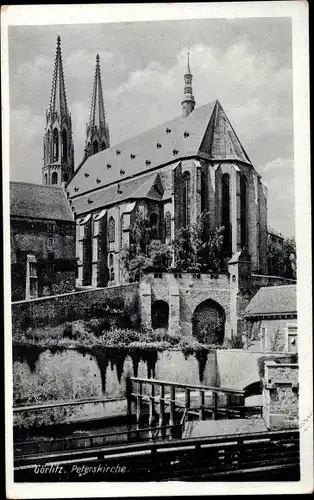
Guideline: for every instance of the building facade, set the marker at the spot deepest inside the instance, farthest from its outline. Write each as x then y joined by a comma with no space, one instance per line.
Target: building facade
271,319
173,173
42,241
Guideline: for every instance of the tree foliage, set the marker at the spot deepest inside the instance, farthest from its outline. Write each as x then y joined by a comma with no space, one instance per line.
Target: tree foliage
283,259
191,251
144,251
195,251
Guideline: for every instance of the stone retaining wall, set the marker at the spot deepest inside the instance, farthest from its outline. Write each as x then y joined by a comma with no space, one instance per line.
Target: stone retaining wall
281,395
58,309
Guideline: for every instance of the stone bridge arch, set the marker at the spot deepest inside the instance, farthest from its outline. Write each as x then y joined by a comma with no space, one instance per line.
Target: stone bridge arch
208,322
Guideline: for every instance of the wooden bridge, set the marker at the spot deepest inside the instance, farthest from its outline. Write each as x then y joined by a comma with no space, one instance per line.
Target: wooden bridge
198,401
160,450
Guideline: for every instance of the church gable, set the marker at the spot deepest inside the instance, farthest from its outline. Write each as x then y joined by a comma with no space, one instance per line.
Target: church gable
220,141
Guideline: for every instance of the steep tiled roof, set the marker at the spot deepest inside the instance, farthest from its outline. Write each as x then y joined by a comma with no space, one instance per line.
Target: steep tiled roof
199,134
138,188
273,300
38,202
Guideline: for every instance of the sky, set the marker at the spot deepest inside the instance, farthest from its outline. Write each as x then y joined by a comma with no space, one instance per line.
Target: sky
244,63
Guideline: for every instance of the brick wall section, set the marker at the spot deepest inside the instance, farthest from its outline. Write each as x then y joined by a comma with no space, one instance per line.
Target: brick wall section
58,309
280,395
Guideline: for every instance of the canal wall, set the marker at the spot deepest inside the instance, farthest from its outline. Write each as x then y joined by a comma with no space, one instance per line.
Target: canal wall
238,368
68,374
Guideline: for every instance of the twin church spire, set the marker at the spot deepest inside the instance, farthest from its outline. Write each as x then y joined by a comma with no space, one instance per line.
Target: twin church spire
58,139
97,131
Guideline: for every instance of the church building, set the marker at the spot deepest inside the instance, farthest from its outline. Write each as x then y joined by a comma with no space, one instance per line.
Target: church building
175,172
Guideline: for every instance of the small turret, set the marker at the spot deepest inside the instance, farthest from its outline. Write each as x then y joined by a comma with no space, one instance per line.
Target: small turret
188,101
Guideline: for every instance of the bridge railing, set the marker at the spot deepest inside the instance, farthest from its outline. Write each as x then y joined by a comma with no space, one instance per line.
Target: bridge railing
220,453
169,394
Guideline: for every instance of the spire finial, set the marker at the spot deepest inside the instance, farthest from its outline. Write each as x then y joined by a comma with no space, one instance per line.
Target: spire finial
97,58
58,41
188,69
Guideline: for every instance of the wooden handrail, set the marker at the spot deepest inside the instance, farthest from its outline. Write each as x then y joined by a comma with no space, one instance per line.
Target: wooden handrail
237,439
57,404
187,386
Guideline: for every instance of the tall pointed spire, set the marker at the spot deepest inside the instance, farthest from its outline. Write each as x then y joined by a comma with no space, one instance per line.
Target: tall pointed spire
58,143
97,131
58,101
188,101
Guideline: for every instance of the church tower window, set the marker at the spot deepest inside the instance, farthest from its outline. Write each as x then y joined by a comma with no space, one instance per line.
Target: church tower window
55,145
186,191
111,230
243,211
54,178
64,145
95,147
225,215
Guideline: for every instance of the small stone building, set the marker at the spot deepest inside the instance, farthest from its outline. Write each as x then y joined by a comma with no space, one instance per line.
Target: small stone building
271,319
42,241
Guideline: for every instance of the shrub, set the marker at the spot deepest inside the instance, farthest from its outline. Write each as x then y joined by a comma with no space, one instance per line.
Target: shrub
235,342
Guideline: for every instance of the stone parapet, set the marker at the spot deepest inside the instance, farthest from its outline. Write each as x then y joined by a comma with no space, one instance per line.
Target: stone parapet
281,395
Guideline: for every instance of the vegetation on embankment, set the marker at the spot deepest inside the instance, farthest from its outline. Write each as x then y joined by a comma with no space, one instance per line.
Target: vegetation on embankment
94,333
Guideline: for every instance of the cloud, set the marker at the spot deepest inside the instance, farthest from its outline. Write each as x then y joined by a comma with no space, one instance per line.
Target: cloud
278,174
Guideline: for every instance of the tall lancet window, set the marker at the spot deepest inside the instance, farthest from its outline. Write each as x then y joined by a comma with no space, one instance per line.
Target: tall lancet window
225,212
64,145
111,230
55,141
243,211
186,198
95,147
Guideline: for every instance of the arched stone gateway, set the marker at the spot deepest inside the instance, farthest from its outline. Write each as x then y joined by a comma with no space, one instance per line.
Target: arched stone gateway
208,322
253,389
160,314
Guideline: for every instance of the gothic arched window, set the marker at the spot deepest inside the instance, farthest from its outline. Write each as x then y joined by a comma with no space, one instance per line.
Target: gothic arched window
46,179
66,177
64,145
168,225
111,260
112,274
225,212
54,178
95,147
243,211
153,221
103,146
186,191
55,141
111,230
